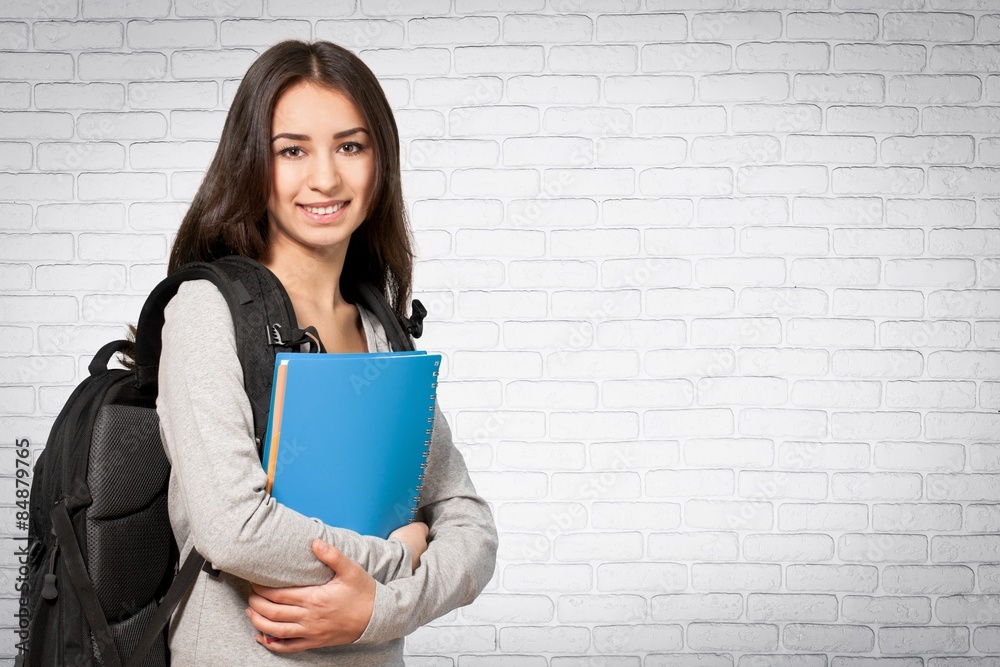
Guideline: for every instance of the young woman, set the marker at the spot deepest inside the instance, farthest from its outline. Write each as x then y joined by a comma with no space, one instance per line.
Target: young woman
306,180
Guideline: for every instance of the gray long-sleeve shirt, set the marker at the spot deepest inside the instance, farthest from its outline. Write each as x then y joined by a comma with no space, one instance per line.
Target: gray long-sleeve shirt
218,504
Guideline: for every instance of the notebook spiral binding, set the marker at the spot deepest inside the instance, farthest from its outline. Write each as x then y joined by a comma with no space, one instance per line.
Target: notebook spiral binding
427,444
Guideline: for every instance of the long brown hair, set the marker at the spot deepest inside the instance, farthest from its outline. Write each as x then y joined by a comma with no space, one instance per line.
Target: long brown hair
229,212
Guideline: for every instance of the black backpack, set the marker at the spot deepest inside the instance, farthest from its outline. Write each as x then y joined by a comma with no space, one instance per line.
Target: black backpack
103,571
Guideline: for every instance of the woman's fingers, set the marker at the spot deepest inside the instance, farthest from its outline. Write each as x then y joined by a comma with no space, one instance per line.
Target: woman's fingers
275,629
273,611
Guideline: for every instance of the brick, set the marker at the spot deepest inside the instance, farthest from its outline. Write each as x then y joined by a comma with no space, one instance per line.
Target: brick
433,639
587,121
735,577
37,369
547,335
44,66
687,57
928,27
970,303
961,425
742,391
927,212
876,486
697,607
638,638
824,456
694,546
37,187
857,211
196,124
930,394
593,58
964,57
923,150
984,119
647,393
361,33
623,212
73,35
743,637
35,246
680,120
603,486
695,180
742,452
823,578
825,516
94,186
775,55
776,118
170,34
686,483
963,181
790,607
879,57
839,88
830,332
835,271
672,363
740,271
934,89
553,88
496,120
869,180
496,59
796,485
916,517
641,576
14,35
927,579
729,514
672,423
787,362
630,455
921,640
840,26
644,333
93,277
729,26
815,637
733,150
561,638
783,421
600,608
783,548
636,516
552,213
554,151
534,29
882,548
16,95
638,28
35,125
595,425
649,89
969,242
598,546
868,425
496,608
830,150
898,242
59,156
15,156
782,179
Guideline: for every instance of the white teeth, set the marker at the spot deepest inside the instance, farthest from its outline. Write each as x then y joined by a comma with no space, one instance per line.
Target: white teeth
327,210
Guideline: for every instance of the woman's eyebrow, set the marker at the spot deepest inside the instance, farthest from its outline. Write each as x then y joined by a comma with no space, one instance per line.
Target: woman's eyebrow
305,137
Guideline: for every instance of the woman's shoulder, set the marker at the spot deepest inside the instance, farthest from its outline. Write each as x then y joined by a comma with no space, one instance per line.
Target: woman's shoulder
198,304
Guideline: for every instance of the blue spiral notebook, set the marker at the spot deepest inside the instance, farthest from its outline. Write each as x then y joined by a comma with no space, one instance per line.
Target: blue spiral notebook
348,436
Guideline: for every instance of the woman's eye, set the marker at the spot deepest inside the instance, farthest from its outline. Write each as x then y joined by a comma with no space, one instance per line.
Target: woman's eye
288,151
354,146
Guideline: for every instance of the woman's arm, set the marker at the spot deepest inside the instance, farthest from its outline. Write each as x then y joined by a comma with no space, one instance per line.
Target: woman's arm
461,549
207,428
459,561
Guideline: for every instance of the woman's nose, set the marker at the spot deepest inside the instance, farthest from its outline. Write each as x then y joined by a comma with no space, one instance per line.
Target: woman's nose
325,175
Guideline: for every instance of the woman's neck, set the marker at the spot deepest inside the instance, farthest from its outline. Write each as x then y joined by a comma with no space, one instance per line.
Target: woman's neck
309,279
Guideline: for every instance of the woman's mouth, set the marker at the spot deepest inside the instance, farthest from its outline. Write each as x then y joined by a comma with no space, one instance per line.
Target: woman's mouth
323,213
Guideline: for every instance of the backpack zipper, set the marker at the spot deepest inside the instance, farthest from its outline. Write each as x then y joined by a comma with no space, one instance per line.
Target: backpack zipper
49,589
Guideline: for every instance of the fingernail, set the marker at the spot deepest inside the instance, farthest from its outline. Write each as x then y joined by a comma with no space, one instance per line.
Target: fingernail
321,547
247,612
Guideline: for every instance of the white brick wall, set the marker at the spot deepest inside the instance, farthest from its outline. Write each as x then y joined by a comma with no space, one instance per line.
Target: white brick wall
717,283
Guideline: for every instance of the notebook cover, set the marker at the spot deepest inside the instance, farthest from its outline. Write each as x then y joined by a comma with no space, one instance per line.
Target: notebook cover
348,436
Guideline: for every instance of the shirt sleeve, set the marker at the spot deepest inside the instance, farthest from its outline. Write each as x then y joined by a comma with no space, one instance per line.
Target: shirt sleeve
461,550
217,479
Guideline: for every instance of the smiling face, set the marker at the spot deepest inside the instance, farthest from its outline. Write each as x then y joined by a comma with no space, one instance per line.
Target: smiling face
323,171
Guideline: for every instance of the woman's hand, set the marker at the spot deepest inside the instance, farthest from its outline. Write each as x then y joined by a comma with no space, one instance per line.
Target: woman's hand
303,617
413,535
